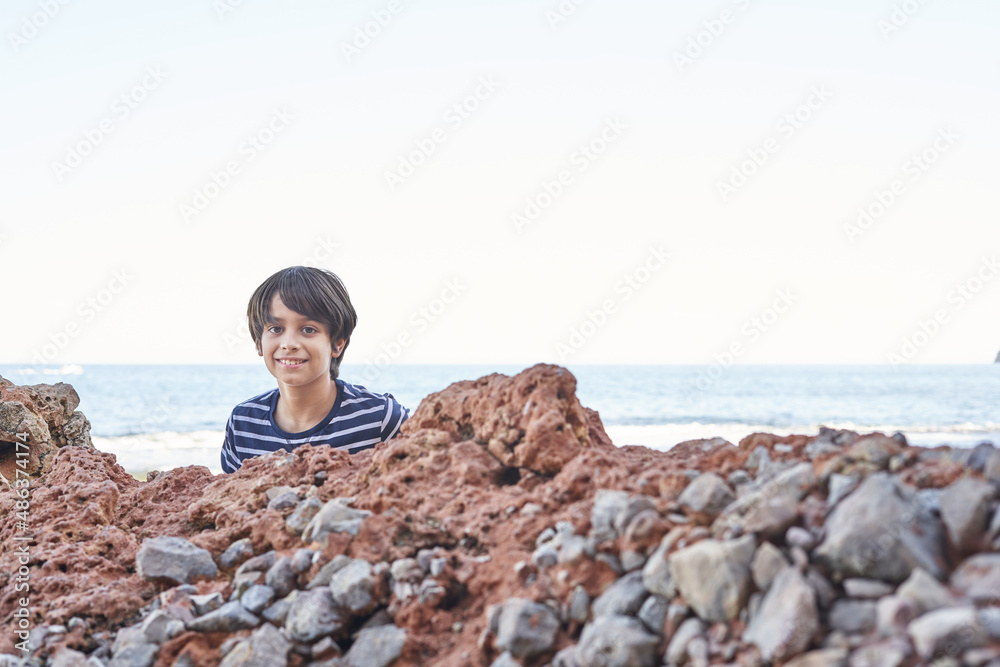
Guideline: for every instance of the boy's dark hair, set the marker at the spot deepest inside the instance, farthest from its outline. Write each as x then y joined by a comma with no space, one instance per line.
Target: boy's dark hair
316,293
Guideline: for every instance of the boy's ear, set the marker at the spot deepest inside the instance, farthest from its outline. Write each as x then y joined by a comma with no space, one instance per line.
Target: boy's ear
338,346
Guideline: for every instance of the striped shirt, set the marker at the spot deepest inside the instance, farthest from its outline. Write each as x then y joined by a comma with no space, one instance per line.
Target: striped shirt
359,419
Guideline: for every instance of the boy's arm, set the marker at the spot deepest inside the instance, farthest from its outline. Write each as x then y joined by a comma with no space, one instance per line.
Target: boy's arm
230,461
395,415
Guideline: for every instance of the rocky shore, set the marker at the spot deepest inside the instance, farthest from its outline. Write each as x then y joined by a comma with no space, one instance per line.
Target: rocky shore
502,528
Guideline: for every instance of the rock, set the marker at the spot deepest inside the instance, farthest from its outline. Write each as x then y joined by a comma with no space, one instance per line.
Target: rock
284,501
303,514
787,619
608,505
578,608
257,597
879,532
505,659
624,597
236,553
868,589
66,657
954,629
230,617
840,486
526,628
653,613
617,641
677,650
978,577
767,562
893,615
302,560
174,559
313,615
135,655
989,618
277,613
202,604
772,515
376,647
335,517
965,511
160,627
853,617
889,653
325,574
721,596
567,657
926,592
280,577
261,563
266,647
828,657
706,497
799,537
656,571
353,587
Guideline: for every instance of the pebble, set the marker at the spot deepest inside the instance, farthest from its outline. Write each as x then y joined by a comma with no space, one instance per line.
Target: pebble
677,650
202,604
624,597
281,577
261,563
767,562
265,647
303,514
285,501
721,596
336,516
230,617
853,616
353,587
955,629
174,559
326,572
525,628
787,619
312,615
376,647
706,497
617,641
867,589
302,560
257,597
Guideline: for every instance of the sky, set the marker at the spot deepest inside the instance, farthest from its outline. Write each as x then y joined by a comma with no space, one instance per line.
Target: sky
584,181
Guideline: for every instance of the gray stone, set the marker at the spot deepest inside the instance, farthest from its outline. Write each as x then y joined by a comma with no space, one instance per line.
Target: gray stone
257,597
281,577
276,491
767,501
573,550
335,517
738,478
526,628
203,604
772,516
853,617
325,574
632,560
825,593
714,576
505,659
653,613
313,614
893,615
230,617
888,653
608,505
261,563
303,514
126,636
759,459
767,562
285,501
302,560
706,497
243,581
579,605
827,657
965,511
376,647
278,612
353,587
797,536
545,556
880,532
954,629
677,650
624,597
67,657
617,641
991,469
697,648
926,592
160,627
656,572
135,655
787,619
634,506
431,592
567,657
265,647
406,570
174,559
978,577
236,553
977,657
989,618
840,486
867,589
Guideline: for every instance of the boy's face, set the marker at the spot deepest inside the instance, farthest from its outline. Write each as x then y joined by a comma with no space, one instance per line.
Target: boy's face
296,349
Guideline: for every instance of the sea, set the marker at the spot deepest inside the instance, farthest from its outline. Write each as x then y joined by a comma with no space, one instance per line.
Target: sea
157,417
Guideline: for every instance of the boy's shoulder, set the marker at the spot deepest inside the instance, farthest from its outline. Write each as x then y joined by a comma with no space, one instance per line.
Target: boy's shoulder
356,393
257,403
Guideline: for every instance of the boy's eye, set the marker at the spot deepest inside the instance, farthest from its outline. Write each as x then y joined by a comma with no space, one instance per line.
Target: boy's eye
274,329
310,330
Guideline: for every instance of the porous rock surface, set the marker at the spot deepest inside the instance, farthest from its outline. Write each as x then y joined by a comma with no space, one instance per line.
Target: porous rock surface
502,527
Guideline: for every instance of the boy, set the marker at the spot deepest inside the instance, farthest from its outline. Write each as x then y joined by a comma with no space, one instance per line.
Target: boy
301,320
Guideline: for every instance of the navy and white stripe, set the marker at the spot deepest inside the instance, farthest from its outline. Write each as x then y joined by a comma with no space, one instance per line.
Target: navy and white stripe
359,420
